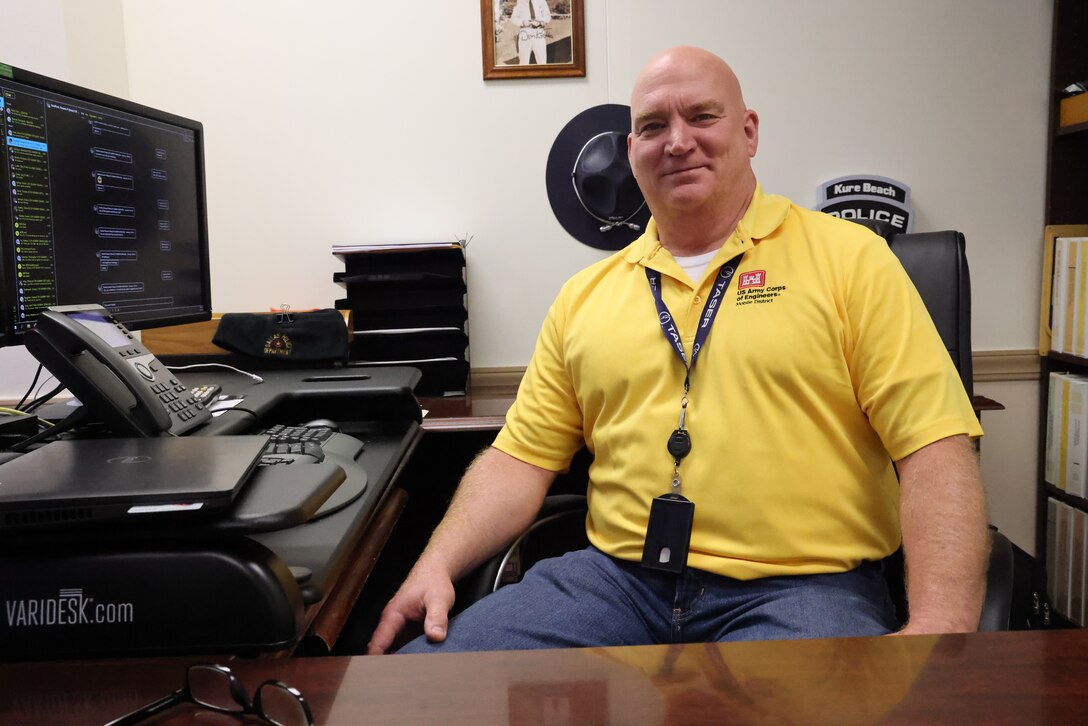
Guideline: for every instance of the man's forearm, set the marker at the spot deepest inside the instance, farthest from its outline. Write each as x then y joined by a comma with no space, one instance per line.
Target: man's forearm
497,499
946,542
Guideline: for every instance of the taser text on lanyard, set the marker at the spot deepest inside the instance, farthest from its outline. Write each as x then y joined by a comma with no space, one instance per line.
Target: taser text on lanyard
679,443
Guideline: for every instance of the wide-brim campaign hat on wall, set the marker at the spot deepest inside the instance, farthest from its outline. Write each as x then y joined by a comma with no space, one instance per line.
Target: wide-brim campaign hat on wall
590,184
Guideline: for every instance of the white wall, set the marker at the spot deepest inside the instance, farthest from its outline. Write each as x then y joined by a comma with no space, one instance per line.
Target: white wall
31,36
74,40
332,121
1009,460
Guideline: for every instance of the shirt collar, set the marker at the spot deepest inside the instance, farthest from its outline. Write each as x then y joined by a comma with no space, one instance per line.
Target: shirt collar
765,214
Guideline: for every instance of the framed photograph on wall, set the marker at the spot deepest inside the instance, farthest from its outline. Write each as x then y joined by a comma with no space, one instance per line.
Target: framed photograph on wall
533,38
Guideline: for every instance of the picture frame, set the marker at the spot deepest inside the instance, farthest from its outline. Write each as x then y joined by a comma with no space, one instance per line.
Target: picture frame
515,32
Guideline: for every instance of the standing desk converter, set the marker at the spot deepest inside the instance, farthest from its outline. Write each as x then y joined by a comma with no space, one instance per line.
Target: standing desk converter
216,589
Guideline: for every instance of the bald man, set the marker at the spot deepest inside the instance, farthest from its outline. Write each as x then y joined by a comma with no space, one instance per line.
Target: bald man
749,376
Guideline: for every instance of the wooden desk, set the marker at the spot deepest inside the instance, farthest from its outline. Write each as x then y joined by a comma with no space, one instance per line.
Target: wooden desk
465,413
995,678
488,412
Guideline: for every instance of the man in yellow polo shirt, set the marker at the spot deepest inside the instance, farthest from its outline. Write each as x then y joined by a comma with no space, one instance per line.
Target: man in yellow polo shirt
745,374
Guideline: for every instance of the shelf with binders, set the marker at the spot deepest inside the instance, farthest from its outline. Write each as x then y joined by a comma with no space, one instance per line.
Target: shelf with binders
1066,560
1062,494
1062,526
409,303
1065,434
1062,508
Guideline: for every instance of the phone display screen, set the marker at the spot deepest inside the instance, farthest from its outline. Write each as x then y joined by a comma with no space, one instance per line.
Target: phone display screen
103,328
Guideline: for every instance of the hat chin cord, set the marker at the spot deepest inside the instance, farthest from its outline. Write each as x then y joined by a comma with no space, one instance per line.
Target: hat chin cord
608,225
612,225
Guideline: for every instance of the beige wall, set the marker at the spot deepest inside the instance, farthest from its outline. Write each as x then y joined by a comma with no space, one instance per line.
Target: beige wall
353,122
1008,457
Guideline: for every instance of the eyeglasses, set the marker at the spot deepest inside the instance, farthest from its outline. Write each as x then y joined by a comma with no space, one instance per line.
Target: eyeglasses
217,688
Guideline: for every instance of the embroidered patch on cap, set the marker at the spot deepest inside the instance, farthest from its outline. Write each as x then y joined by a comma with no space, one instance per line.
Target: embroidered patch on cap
278,344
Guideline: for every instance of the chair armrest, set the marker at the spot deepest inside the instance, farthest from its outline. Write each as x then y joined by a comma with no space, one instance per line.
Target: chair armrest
998,603
561,503
483,580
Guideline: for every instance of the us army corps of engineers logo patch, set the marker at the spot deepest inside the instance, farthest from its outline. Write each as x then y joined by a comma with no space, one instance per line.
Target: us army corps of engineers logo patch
752,288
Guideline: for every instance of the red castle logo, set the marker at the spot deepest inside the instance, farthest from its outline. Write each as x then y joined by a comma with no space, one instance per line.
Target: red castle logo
755,278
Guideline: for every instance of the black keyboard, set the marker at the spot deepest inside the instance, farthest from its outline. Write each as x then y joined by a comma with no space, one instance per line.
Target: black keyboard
291,444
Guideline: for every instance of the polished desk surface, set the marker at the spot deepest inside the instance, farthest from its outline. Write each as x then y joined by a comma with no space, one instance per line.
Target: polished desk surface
1030,677
487,412
466,413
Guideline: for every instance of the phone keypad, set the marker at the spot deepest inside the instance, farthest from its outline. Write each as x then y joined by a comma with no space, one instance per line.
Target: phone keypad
184,406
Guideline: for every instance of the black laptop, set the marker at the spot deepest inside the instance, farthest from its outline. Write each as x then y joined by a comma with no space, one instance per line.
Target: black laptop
87,480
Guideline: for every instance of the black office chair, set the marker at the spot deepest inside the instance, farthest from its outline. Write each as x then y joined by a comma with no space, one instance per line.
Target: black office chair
937,264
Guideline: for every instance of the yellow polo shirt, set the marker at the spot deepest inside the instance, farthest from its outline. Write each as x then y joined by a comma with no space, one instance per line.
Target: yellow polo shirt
821,368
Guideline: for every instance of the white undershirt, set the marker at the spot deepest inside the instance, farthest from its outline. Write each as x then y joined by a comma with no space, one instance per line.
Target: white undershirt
695,266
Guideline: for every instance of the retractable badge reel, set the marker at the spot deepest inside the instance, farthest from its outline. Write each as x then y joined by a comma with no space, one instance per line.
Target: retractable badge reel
668,533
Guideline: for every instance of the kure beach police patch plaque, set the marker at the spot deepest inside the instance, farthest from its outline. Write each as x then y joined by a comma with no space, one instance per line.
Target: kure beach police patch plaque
867,196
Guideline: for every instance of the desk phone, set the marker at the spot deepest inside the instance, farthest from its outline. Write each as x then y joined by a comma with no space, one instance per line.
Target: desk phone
112,374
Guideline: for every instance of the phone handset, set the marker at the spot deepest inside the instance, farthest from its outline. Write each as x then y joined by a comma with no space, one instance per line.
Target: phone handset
111,373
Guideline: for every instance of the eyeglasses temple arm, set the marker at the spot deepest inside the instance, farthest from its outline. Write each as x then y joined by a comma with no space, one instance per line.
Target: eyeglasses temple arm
155,707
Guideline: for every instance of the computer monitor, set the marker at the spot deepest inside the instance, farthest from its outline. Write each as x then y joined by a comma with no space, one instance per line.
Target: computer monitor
4,327
103,202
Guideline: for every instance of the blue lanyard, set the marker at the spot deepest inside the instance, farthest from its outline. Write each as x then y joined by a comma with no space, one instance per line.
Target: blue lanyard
710,311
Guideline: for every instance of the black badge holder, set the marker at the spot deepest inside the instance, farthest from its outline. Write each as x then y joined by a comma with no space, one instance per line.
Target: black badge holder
668,533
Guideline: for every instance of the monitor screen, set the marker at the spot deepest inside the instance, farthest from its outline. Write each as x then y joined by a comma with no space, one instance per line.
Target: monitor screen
5,329
103,202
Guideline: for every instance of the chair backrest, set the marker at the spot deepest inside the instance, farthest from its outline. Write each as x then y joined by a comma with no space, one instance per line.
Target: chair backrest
936,263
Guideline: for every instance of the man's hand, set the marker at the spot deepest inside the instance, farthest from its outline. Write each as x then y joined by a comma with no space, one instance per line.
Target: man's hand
425,595
497,499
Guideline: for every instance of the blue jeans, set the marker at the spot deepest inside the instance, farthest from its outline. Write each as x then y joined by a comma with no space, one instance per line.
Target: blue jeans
586,598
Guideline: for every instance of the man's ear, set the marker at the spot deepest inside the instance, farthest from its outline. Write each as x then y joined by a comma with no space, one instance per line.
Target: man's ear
751,131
